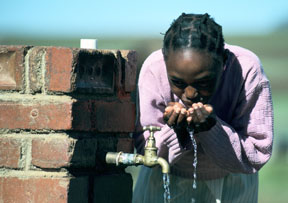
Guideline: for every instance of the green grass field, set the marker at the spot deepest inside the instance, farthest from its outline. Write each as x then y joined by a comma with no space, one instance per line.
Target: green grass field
272,50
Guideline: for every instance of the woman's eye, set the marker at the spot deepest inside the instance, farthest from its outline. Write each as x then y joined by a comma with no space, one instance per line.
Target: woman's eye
205,85
178,84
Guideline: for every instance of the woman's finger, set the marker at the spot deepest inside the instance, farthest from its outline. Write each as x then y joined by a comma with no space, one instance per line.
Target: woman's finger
173,118
204,113
208,108
189,120
181,116
189,116
168,112
171,104
196,113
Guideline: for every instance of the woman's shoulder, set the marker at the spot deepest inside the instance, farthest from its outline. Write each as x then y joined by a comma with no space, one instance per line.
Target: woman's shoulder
244,55
244,65
248,62
154,61
153,65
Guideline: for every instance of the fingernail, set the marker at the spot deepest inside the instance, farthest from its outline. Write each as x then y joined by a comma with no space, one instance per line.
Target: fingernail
183,111
177,110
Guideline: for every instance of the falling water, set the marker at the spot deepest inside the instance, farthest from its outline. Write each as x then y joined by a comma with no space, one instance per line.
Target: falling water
166,183
191,133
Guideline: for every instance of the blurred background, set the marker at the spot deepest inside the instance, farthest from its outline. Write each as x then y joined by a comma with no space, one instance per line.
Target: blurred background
261,26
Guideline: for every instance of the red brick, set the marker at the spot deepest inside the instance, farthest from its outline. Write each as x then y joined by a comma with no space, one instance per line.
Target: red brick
113,116
96,71
84,152
103,116
60,151
59,69
82,115
10,152
44,190
125,145
36,64
12,67
36,114
67,115
130,58
53,152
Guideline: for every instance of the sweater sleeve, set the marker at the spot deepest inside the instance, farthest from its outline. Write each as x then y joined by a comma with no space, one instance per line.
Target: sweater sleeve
244,145
151,107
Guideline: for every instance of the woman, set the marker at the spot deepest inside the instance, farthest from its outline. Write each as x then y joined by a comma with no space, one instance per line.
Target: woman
218,93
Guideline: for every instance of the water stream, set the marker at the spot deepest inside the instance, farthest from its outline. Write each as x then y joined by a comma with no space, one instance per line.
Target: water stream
166,183
191,133
166,180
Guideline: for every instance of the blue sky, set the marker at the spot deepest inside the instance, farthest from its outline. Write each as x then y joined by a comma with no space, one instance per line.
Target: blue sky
86,18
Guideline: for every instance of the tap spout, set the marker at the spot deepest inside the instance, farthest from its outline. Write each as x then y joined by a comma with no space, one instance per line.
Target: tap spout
150,158
118,158
164,165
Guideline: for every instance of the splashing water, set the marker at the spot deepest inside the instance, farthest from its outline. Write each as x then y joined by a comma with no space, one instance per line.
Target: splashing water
191,133
166,183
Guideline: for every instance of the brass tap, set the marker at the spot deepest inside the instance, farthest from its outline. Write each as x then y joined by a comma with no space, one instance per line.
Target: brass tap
149,159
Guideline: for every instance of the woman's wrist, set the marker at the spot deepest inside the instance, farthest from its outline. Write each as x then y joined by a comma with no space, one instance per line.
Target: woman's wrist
205,126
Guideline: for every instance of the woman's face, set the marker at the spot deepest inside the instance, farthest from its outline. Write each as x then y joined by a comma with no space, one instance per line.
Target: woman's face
193,75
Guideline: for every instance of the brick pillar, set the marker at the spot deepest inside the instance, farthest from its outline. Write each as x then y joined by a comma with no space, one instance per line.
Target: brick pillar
61,109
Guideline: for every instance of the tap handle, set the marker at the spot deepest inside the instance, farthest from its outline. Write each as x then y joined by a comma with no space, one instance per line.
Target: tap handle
152,129
151,142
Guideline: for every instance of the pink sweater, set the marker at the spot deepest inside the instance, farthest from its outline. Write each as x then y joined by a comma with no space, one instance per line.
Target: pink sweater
240,142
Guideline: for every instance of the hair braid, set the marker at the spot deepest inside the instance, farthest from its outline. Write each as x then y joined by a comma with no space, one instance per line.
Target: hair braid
195,31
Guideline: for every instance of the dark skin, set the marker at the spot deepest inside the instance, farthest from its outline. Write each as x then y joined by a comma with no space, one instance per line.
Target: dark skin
193,76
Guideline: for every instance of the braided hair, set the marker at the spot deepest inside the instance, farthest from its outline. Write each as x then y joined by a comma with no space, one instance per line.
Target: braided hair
195,31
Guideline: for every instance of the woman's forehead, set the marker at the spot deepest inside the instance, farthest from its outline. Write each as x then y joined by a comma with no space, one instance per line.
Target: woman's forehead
188,60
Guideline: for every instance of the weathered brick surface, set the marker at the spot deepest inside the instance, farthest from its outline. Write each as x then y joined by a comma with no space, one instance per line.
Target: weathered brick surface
36,63
59,69
84,115
66,70
59,151
62,110
85,153
12,67
31,114
130,62
53,152
10,152
119,117
104,116
96,71
44,190
125,145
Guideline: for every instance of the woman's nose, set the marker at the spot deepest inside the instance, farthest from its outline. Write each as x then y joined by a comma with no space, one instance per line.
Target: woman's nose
190,92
